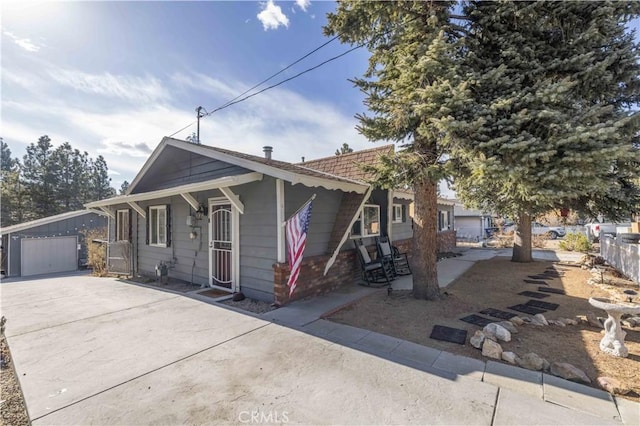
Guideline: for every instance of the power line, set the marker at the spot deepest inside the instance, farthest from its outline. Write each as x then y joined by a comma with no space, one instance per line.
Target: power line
233,101
276,74
228,104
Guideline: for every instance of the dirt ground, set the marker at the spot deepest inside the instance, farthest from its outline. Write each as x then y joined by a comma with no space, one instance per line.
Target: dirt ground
495,284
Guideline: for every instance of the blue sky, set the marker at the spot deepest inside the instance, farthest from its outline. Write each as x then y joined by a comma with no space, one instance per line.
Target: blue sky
113,78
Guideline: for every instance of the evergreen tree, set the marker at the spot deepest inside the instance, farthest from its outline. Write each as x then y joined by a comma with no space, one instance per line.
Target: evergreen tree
548,123
411,88
39,174
71,177
11,191
6,162
124,187
344,149
99,180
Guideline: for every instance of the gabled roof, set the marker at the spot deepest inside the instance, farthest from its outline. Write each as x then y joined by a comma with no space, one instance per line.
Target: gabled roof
350,165
279,169
46,220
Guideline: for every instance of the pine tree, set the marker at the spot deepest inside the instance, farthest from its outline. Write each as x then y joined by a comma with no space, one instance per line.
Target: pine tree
411,86
344,149
11,193
124,187
99,180
548,123
38,172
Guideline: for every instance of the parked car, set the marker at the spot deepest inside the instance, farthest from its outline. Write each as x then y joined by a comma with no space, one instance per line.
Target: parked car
596,227
538,228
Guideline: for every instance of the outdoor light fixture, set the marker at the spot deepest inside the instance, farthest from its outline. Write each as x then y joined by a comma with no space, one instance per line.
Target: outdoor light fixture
201,212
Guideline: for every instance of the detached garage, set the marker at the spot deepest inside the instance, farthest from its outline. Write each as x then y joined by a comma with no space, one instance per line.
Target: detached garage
49,245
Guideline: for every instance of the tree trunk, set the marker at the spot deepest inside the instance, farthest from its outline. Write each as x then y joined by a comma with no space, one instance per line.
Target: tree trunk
522,240
424,259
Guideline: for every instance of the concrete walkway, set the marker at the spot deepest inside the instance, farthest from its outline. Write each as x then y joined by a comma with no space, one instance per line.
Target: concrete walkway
98,351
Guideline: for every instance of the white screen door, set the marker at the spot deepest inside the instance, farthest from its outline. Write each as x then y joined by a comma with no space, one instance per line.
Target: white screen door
221,246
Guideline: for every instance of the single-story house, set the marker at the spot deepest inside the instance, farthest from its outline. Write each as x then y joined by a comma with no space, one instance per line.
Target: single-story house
48,245
470,224
213,216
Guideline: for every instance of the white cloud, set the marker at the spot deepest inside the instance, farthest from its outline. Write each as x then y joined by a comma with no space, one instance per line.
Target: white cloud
272,16
303,4
24,43
131,88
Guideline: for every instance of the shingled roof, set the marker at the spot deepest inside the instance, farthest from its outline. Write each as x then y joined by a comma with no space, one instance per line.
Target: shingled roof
300,168
349,165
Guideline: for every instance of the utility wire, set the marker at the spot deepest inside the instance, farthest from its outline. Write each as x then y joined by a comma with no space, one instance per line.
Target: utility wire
233,101
236,101
274,75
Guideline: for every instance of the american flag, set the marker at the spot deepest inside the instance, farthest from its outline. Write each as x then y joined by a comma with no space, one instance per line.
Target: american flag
296,228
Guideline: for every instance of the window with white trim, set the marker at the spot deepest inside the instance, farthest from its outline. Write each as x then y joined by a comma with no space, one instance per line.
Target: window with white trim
398,217
368,222
122,225
158,226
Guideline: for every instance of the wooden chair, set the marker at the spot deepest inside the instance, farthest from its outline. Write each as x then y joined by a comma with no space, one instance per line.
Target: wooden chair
399,260
376,271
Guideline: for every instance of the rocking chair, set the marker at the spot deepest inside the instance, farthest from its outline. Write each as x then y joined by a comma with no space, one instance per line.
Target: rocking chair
376,271
398,260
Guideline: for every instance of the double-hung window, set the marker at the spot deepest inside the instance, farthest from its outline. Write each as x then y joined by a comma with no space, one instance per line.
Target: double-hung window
368,222
158,229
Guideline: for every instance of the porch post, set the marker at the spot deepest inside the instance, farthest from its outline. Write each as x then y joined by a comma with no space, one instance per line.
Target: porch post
389,213
280,237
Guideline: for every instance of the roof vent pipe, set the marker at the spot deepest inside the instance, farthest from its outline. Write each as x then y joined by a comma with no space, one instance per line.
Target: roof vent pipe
267,152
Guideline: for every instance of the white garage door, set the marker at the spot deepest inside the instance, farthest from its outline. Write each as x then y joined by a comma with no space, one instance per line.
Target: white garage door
48,255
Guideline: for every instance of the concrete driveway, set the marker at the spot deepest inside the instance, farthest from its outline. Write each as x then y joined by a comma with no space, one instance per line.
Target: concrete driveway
98,351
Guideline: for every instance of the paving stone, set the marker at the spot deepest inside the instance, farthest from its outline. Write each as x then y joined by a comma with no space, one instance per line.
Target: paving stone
415,352
579,397
380,342
346,334
461,365
629,410
514,378
320,327
515,408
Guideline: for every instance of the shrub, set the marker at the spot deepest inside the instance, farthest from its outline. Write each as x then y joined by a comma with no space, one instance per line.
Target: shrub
576,242
539,241
97,250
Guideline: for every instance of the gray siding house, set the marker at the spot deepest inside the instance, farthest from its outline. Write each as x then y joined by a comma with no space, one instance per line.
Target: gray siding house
48,245
214,217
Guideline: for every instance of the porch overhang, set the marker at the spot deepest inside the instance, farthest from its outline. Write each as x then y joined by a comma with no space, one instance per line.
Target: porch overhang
220,183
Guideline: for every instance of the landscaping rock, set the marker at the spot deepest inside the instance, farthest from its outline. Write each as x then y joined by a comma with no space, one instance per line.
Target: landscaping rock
498,331
541,318
526,319
510,357
545,365
477,339
569,372
567,321
537,321
531,361
612,385
557,322
491,349
509,326
517,320
592,320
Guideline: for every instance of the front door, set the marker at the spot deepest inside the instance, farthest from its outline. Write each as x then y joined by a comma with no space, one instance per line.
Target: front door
221,246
